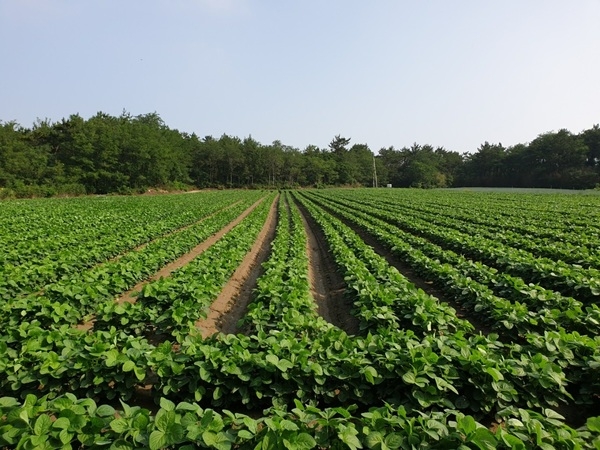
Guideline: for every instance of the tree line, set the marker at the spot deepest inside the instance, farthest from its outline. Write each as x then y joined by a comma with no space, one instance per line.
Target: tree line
108,154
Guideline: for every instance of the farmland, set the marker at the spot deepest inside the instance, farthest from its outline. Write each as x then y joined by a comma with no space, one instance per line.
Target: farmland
301,319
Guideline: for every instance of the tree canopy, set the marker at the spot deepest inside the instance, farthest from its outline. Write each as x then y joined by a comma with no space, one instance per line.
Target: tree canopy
108,154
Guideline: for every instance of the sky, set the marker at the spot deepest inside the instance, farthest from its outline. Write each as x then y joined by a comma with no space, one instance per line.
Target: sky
384,73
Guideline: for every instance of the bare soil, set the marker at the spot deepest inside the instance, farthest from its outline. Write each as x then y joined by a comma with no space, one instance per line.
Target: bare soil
231,304
327,285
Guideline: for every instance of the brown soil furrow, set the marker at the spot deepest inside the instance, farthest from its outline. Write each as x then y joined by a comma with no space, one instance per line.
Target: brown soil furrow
145,244
180,262
231,304
414,278
169,233
187,258
327,285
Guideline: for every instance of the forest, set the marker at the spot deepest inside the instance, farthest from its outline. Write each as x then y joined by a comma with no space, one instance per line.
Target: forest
130,154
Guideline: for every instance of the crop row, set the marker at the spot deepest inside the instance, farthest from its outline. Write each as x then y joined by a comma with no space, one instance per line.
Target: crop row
420,376
570,280
578,355
574,229
568,247
106,362
504,300
171,306
71,299
69,422
30,265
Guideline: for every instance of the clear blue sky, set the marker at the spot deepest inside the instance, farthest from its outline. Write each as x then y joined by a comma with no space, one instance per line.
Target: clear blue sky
382,72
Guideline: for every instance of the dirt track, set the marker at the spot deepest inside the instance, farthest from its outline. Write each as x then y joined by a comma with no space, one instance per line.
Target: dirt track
326,283
231,304
187,258
129,296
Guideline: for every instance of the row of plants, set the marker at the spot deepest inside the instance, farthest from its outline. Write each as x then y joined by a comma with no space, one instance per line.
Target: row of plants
39,228
571,280
517,385
69,422
111,361
282,299
508,301
72,299
171,306
421,381
555,222
577,355
100,234
569,247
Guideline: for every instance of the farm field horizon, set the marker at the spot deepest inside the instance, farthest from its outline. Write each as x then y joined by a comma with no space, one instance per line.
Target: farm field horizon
334,318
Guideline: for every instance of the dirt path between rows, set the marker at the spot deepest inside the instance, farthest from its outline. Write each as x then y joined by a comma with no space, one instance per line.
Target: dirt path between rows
232,303
166,271
169,233
145,244
327,285
407,271
187,258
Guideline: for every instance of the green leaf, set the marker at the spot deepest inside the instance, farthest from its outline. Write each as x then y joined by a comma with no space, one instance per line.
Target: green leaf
511,441
370,374
467,425
301,441
409,378
394,440
316,368
375,439
484,439
167,404
119,426
42,425
8,402
220,440
111,357
593,424
105,411
119,444
140,373
245,434
495,373
164,419
347,435
251,424
158,440
24,415
65,437
288,425
128,366
62,423
284,365
272,359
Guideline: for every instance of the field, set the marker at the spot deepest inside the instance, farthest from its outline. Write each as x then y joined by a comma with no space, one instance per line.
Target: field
371,318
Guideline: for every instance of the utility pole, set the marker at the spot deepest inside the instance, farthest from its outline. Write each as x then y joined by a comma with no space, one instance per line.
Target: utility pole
374,173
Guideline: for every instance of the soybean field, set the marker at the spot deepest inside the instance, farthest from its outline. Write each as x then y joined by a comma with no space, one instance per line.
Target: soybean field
301,319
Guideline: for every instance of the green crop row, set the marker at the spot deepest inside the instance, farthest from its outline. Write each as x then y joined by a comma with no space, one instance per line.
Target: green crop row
578,356
571,280
69,422
171,306
541,233
504,300
27,266
71,299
